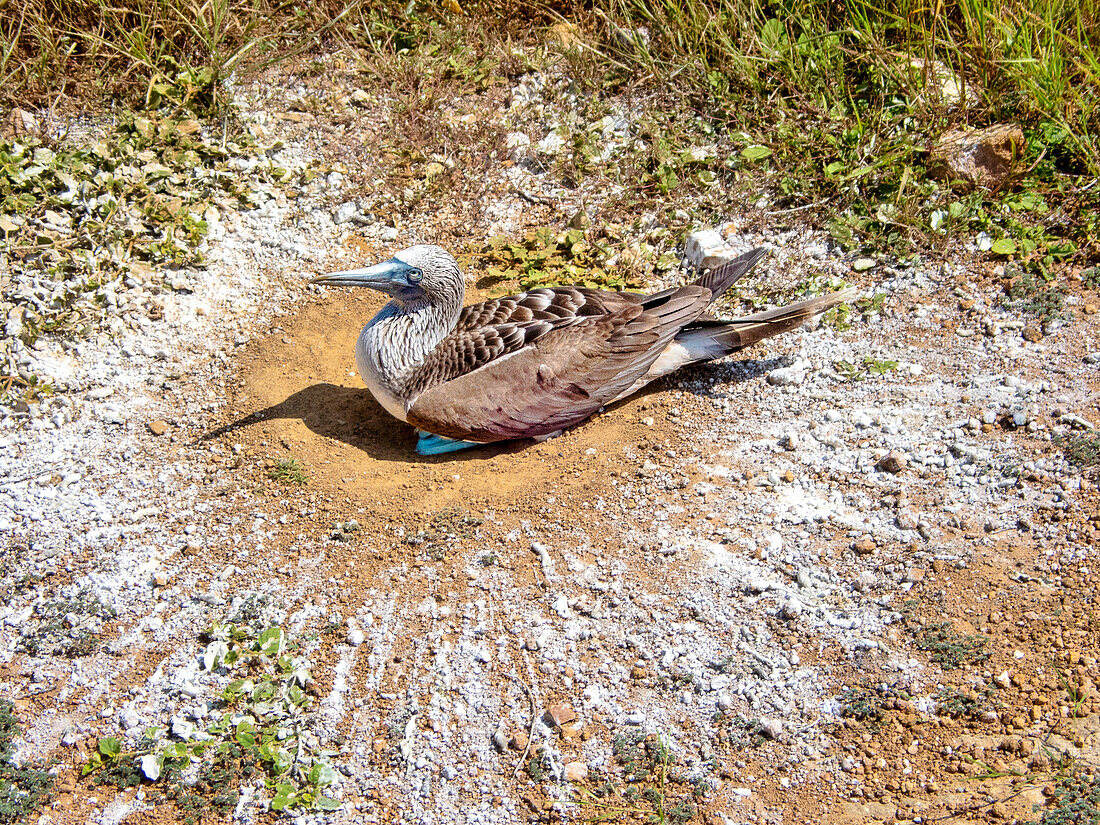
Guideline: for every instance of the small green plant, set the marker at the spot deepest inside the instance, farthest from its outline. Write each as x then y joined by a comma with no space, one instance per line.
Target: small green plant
545,258
1035,296
66,627
488,559
1076,801
951,650
745,733
1079,449
869,366
969,703
654,789
263,727
287,470
25,788
862,704
443,529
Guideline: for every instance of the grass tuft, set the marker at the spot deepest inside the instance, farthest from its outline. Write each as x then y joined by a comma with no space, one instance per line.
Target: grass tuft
288,470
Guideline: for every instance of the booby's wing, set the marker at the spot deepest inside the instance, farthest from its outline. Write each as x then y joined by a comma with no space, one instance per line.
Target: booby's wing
501,326
596,345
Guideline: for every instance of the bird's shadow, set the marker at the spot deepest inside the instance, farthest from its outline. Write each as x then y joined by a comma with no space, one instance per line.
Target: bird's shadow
352,416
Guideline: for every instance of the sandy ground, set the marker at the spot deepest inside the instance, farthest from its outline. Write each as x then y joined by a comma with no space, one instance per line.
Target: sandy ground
725,564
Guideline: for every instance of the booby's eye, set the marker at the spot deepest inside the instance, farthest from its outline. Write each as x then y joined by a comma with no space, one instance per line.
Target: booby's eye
415,276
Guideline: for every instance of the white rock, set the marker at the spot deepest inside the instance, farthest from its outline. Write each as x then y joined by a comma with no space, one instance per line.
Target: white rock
707,249
552,144
771,728
786,377
576,772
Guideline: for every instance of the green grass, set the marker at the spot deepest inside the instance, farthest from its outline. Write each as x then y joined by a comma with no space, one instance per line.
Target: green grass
287,470
836,104
823,105
147,50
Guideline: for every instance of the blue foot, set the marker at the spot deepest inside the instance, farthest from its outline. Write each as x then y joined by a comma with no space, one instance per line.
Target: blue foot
430,444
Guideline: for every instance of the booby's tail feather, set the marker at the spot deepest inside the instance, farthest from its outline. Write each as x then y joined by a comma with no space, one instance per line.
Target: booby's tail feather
707,339
725,337
721,278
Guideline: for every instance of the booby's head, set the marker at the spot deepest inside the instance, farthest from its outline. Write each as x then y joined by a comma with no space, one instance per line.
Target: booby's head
424,271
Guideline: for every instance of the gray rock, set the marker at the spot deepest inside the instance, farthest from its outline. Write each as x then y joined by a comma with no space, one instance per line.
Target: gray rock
345,212
771,728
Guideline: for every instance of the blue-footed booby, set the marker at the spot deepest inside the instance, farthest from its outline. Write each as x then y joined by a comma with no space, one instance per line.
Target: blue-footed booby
533,364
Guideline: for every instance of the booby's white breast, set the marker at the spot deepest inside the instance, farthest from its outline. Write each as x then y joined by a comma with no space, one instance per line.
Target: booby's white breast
370,369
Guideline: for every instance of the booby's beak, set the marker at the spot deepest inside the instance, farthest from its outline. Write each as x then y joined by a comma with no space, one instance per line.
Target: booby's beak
393,277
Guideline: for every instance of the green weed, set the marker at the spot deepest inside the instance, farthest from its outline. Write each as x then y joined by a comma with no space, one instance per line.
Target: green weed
1076,801
862,704
867,367
951,650
66,627
442,530
1079,449
288,470
965,704
25,788
263,728
546,258
654,789
1035,296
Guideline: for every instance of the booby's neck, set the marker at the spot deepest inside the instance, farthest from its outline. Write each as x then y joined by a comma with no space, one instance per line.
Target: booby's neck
393,346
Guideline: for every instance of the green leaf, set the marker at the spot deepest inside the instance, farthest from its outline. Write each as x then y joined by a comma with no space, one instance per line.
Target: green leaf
322,774
772,33
176,750
297,695
284,797
271,642
756,152
1003,246
281,761
110,747
327,803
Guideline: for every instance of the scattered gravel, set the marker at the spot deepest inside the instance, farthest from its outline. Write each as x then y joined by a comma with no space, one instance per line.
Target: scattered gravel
766,531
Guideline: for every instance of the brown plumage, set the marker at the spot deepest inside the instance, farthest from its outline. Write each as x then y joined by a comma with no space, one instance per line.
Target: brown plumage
530,365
